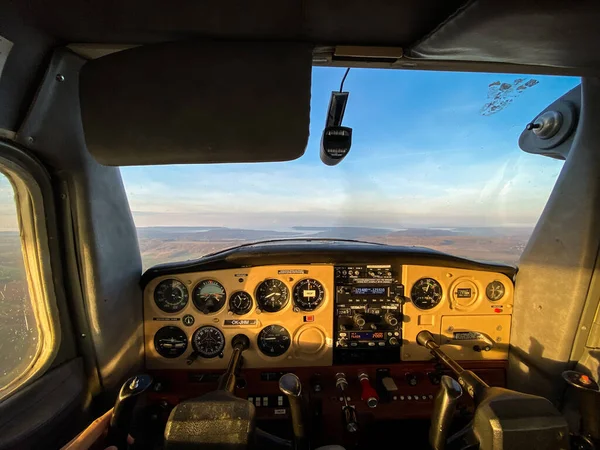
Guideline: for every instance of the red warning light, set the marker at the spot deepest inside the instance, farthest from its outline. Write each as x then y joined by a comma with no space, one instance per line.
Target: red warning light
310,318
498,310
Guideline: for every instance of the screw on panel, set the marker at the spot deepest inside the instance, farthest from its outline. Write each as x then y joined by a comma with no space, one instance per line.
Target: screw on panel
31,139
60,78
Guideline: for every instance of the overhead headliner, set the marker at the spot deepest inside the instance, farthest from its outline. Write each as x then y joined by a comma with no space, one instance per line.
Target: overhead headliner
554,34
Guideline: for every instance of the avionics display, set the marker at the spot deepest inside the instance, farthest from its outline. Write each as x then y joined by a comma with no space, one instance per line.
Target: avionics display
370,290
368,314
366,335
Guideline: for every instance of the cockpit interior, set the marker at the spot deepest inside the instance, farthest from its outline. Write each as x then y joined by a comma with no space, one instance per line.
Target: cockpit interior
308,225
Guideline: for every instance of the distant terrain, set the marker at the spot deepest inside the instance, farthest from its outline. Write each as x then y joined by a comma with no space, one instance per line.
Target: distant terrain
168,244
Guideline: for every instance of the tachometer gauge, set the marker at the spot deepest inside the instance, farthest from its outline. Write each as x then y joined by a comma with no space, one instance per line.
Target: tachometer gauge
170,342
171,296
426,293
308,294
274,340
272,295
209,296
240,303
495,291
208,341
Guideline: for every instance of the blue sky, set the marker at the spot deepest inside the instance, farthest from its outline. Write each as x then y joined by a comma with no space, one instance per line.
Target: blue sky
423,154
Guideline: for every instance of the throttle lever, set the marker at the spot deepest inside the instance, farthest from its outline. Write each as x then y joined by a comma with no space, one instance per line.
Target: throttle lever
122,417
348,412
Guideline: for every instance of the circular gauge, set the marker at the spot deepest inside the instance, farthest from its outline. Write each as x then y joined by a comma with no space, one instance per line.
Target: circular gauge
308,294
426,293
464,294
170,342
209,296
240,303
272,295
274,340
171,296
208,341
495,291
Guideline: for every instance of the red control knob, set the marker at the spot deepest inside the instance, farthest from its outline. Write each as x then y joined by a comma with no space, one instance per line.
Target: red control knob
368,393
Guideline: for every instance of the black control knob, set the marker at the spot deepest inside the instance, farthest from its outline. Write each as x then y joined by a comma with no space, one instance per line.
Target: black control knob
434,377
411,379
391,320
393,341
359,320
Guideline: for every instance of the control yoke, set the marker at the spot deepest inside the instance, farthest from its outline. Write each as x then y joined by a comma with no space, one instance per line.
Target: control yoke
240,342
122,417
220,420
501,416
474,385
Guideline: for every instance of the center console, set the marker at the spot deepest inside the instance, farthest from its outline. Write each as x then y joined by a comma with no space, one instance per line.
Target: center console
368,314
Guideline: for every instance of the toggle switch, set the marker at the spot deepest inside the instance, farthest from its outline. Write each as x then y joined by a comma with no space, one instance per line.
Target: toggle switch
388,384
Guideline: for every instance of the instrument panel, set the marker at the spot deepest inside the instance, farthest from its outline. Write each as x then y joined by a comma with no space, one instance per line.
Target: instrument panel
302,315
285,310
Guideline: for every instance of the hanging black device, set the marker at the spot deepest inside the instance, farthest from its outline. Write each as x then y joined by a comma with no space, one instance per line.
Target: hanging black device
336,139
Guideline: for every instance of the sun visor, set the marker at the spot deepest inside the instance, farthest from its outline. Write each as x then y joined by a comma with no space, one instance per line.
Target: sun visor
553,33
197,102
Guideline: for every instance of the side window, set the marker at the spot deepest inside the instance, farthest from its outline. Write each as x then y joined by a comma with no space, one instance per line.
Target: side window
19,328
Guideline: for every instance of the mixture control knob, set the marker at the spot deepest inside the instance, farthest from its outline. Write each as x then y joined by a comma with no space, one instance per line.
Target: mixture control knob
368,393
411,379
393,341
359,320
391,320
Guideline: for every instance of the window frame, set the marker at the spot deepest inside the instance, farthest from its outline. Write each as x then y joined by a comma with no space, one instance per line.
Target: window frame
35,246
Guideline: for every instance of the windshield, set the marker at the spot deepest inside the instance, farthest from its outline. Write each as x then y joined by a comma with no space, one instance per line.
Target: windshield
434,162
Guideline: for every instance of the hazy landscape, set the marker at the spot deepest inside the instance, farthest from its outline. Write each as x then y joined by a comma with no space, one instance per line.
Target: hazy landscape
168,244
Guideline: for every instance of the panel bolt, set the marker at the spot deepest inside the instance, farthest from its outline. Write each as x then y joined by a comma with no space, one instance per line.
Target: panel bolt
60,78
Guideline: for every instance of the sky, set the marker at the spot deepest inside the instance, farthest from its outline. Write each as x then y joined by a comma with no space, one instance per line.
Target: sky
426,152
